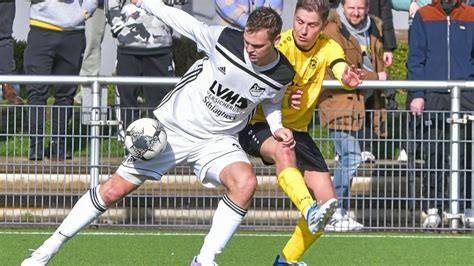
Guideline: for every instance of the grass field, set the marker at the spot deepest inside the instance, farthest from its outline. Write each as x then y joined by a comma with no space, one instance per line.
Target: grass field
125,247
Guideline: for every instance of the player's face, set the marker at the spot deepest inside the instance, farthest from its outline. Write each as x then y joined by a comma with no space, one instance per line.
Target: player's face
260,47
355,11
306,28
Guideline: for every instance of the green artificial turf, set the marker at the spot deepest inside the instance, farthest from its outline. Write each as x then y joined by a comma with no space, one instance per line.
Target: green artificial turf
153,247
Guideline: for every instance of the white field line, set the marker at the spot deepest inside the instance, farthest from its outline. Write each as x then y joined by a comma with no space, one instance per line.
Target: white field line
470,237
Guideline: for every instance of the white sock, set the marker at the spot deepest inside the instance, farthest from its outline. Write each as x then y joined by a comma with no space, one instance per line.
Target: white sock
226,220
87,209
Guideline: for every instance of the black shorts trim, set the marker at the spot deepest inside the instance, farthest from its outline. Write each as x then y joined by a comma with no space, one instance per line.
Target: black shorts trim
308,155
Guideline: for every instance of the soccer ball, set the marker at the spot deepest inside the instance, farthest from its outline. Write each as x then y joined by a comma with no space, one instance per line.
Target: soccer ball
145,138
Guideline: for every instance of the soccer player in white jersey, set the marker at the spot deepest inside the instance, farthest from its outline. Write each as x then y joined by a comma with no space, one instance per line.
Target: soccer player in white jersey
212,102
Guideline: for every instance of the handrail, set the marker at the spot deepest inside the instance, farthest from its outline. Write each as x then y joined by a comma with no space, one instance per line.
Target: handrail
366,84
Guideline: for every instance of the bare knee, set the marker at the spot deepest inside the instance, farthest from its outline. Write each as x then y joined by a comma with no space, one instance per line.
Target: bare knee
285,154
284,157
110,195
248,185
115,188
245,185
242,189
240,182
273,151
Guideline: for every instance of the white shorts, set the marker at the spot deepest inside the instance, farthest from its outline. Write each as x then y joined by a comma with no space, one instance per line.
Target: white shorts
207,157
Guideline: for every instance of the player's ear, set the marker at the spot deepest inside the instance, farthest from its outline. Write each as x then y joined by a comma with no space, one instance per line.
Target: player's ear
325,23
276,40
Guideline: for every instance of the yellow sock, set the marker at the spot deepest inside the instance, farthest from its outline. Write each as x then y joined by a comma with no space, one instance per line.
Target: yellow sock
292,182
299,242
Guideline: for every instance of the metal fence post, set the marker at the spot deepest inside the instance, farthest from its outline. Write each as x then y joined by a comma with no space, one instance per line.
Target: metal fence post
455,217
95,134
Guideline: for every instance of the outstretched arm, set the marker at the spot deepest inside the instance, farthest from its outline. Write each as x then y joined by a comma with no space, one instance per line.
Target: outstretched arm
349,76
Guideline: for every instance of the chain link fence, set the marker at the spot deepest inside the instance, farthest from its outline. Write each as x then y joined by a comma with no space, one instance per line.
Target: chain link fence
388,192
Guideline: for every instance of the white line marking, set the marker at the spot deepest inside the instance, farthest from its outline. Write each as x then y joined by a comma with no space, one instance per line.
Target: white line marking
350,235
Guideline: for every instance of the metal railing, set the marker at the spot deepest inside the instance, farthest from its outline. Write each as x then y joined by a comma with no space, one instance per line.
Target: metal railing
191,206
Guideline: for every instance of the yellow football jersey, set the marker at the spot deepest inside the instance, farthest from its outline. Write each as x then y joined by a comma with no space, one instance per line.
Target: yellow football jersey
310,67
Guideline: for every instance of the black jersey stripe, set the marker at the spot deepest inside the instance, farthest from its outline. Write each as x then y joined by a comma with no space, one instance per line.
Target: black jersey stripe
187,78
248,71
338,60
233,206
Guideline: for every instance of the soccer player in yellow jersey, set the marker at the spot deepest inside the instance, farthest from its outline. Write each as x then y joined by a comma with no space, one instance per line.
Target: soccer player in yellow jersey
311,53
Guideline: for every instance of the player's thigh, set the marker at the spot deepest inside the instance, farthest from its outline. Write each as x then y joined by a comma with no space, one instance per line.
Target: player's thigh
212,156
137,171
308,155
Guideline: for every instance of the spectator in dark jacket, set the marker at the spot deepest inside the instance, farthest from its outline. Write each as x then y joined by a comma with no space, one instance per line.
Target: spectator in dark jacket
56,42
441,48
383,10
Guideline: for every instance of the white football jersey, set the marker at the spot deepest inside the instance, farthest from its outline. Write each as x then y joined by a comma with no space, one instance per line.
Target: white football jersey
219,93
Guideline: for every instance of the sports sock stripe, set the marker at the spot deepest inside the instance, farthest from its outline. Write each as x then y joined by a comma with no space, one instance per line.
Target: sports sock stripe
95,200
233,206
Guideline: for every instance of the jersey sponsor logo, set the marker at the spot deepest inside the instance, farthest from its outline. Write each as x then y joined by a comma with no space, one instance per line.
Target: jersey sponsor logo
229,96
221,69
256,91
211,105
224,102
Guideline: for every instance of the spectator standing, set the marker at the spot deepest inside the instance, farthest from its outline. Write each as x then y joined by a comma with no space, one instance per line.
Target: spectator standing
410,6
91,61
144,49
202,125
7,62
236,12
343,111
441,48
55,45
383,10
